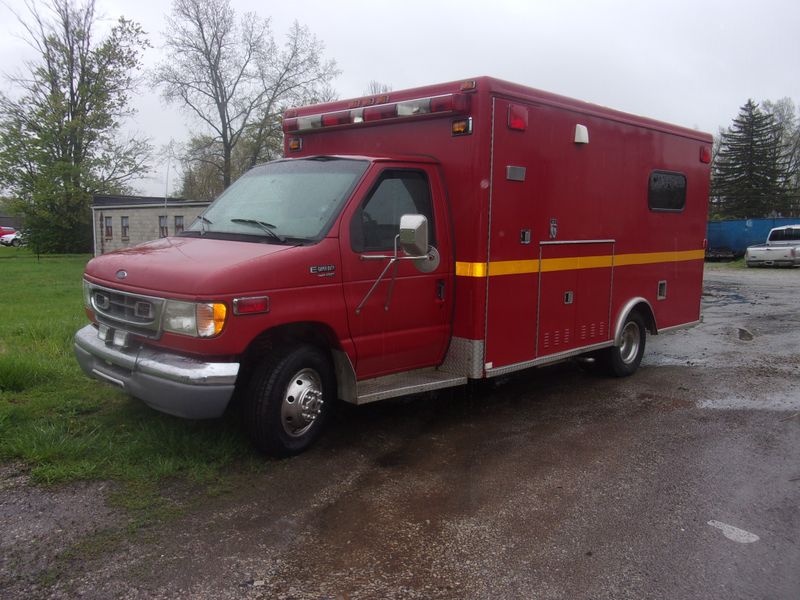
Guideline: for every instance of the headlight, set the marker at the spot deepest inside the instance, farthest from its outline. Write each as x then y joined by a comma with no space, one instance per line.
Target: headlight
87,295
204,319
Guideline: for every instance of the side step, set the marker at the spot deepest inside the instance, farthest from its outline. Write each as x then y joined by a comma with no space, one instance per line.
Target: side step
405,384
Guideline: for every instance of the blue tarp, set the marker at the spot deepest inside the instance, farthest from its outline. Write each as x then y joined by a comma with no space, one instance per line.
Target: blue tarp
733,237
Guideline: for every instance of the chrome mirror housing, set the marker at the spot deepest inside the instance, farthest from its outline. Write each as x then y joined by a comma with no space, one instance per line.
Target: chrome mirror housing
414,235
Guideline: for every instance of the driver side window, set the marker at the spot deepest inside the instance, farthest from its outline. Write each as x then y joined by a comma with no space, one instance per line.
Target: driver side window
377,221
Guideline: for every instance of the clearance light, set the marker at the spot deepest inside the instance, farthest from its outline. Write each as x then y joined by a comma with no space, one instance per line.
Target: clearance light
705,154
517,117
461,127
250,306
295,144
469,85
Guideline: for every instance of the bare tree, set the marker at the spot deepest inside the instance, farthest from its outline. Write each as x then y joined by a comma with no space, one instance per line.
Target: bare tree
374,88
232,76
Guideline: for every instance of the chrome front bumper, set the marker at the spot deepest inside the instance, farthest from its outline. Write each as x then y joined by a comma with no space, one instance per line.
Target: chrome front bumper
170,383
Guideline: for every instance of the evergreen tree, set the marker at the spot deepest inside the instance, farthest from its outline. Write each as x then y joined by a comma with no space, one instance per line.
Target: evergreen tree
751,171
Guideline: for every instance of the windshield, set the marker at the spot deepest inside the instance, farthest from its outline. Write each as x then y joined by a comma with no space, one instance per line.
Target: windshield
286,201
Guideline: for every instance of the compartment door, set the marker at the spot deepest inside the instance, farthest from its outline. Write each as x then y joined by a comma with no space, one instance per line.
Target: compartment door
574,295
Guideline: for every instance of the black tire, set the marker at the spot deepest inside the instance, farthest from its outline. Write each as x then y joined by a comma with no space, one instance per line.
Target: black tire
15,243
623,360
289,400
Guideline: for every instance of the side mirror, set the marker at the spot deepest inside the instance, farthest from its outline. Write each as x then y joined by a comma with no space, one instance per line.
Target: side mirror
414,235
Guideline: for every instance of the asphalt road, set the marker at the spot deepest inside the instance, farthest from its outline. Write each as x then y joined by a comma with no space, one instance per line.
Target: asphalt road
682,481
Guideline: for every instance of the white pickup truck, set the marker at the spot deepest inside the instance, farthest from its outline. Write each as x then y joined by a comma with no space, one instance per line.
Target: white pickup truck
782,249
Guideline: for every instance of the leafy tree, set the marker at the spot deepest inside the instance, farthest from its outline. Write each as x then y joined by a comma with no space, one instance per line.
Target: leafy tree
202,178
751,172
232,76
59,134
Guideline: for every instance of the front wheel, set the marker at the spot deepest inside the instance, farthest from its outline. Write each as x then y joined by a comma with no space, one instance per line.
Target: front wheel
623,360
289,400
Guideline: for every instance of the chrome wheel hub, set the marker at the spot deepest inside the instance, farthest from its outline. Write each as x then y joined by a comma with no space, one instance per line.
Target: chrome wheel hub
302,402
630,342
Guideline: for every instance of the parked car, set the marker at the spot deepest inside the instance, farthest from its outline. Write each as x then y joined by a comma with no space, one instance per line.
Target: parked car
12,239
4,230
782,249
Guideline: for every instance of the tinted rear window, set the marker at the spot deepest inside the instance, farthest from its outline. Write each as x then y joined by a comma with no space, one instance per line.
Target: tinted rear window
792,234
666,191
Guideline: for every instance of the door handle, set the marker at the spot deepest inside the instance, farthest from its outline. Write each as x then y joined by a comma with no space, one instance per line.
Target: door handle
440,290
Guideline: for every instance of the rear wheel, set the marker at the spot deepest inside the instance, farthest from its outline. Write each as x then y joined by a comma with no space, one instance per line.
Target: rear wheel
15,242
623,360
289,399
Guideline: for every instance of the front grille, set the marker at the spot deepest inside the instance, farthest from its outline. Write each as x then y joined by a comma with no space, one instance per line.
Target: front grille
140,314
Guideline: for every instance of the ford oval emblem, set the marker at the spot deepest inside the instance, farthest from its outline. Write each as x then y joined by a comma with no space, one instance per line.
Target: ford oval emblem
122,274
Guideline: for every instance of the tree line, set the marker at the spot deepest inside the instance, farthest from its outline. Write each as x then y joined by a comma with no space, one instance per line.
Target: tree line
61,135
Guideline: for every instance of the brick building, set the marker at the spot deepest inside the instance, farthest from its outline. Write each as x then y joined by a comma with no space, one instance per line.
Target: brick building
122,221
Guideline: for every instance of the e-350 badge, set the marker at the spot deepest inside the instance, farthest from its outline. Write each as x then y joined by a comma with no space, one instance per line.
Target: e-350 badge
323,270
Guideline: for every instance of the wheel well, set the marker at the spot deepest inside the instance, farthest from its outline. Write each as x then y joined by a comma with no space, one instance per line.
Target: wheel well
290,334
646,313
638,306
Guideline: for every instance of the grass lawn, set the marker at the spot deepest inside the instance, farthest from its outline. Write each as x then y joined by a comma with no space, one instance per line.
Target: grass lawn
65,426
726,264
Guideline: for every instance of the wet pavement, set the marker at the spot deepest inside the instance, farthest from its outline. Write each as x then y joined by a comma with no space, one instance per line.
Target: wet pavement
682,481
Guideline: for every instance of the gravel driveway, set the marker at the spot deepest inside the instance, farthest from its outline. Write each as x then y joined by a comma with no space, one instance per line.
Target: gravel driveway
682,481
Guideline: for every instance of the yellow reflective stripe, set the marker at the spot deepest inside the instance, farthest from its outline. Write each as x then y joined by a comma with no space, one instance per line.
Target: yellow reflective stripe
513,267
574,263
657,257
467,269
523,267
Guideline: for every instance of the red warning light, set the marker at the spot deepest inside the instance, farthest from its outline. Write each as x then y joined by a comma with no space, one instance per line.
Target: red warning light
517,117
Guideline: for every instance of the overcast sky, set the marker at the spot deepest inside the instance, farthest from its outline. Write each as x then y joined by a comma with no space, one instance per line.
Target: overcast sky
689,62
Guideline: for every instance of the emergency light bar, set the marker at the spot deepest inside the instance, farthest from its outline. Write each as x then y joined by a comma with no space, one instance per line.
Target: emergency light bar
436,105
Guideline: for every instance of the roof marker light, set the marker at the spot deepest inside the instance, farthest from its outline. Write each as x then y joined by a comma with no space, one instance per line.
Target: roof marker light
705,154
337,118
414,107
382,111
309,122
289,124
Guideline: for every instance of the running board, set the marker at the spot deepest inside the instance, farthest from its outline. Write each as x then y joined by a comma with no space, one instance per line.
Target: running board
405,384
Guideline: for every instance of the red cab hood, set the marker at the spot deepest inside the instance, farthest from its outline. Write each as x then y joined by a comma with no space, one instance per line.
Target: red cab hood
198,267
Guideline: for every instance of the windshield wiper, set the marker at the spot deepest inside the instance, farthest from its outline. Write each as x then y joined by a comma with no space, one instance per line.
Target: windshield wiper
203,222
266,227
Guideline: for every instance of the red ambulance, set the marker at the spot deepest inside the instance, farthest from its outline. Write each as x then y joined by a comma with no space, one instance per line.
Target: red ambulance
409,242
